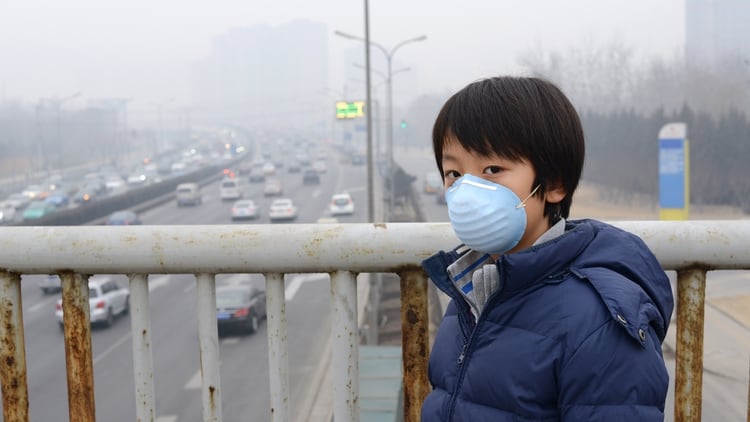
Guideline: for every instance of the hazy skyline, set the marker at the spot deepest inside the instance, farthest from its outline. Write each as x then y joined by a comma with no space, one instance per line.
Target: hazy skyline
146,50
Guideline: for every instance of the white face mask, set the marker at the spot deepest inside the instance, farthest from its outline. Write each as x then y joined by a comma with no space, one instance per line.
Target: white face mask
486,216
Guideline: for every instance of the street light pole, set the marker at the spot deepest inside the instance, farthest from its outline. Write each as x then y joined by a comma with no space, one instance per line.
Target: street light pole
389,100
58,106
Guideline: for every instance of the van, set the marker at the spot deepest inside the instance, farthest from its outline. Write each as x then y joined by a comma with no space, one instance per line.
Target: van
231,189
188,194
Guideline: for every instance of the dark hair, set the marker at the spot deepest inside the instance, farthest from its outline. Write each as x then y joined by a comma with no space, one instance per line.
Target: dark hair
518,118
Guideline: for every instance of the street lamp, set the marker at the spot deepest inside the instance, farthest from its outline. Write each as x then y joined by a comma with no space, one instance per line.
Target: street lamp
160,140
377,104
389,101
58,106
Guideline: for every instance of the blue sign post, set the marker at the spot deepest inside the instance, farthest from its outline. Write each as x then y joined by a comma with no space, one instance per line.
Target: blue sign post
674,172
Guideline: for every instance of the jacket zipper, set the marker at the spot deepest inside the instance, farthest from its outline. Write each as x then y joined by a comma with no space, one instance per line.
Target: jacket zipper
473,328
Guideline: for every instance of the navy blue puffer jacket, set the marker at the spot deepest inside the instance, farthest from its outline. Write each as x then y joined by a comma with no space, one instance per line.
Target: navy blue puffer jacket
573,334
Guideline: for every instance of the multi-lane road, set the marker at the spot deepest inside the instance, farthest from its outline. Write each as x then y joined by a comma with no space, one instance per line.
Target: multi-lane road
244,359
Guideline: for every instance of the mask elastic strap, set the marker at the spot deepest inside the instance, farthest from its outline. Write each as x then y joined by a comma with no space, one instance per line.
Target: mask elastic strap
523,203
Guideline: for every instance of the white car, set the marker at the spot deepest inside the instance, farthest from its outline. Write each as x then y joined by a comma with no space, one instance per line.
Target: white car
273,187
7,212
231,189
245,209
107,300
341,204
282,209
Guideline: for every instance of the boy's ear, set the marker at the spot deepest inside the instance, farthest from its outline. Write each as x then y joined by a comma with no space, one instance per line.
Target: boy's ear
554,194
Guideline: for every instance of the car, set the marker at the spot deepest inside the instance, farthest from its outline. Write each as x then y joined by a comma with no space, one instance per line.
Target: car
114,183
293,168
58,199
35,192
240,306
19,201
310,177
269,169
188,194
257,176
37,210
282,209
320,166
107,300
50,284
245,168
244,209
273,187
7,212
341,204
231,189
87,193
123,218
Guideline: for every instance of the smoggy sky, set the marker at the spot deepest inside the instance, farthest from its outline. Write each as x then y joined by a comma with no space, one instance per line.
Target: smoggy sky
144,49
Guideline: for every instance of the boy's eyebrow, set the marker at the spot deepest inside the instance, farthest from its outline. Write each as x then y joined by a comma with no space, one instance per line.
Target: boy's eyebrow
448,157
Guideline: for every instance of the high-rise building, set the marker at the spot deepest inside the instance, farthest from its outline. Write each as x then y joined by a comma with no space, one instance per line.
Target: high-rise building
717,31
265,77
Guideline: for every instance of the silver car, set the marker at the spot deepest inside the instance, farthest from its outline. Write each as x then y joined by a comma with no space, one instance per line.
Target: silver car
107,300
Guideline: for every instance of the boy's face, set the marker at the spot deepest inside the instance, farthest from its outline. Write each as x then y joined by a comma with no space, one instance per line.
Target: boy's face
516,176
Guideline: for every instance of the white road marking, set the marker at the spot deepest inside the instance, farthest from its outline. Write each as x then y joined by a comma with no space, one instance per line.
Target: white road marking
155,281
195,381
43,304
293,286
167,418
112,347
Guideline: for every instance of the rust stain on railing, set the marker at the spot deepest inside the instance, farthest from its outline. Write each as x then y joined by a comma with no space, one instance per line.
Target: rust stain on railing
415,340
13,365
691,297
78,352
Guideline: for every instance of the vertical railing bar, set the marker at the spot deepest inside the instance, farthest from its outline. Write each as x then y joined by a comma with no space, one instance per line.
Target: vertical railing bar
345,340
208,335
143,363
278,355
78,351
691,296
748,395
415,341
13,375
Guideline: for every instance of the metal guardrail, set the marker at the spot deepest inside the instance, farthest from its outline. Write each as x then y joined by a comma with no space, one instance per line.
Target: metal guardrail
342,250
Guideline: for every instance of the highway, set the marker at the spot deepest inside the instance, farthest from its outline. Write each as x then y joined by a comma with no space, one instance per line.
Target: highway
244,359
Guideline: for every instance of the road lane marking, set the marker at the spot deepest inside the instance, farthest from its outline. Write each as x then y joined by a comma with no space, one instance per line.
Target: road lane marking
155,281
194,383
167,418
297,280
43,304
112,347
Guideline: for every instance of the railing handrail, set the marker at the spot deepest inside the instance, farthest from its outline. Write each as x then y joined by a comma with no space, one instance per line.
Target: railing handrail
360,247
343,250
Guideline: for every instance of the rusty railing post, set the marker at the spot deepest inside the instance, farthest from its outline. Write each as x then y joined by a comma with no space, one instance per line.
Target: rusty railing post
415,341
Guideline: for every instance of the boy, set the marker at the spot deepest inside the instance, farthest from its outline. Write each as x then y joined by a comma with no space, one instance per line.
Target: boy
550,319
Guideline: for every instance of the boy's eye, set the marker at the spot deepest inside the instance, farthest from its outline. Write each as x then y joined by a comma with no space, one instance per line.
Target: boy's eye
492,170
452,174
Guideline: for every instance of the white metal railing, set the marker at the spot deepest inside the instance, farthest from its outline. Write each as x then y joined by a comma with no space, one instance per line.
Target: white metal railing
342,250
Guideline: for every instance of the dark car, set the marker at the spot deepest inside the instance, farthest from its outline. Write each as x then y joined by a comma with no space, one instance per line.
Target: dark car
123,218
240,307
310,177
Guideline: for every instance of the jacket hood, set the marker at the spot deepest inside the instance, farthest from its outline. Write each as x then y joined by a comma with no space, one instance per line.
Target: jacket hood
590,247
